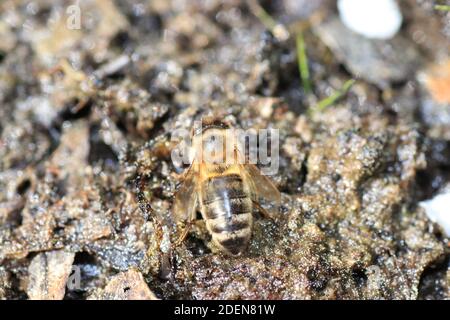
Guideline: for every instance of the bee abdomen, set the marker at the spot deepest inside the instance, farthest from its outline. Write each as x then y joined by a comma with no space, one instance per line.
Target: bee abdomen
233,224
231,233
227,209
225,196
233,242
223,186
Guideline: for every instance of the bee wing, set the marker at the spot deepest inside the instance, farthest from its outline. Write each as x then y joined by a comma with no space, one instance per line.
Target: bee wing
263,191
185,202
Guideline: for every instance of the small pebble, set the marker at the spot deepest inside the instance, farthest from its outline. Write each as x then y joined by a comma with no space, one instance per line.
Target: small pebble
437,210
375,19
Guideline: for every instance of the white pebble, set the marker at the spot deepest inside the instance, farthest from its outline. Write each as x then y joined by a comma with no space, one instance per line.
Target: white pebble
377,19
438,211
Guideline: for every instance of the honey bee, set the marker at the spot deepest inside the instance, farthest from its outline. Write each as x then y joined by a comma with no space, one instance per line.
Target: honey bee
225,192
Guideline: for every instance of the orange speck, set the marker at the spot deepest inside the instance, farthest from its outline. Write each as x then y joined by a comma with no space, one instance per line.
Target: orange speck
438,82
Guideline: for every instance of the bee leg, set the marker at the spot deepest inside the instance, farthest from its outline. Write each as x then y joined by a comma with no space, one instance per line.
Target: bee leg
263,211
183,235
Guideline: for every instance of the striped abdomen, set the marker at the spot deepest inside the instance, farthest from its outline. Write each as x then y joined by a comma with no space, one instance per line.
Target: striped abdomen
227,210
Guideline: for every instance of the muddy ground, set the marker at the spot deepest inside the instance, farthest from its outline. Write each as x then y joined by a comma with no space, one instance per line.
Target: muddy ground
86,177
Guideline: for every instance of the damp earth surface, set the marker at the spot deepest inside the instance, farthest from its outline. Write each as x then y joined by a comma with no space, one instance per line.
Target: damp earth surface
87,179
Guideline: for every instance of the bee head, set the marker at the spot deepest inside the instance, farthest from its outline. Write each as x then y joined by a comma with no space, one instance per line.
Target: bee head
210,123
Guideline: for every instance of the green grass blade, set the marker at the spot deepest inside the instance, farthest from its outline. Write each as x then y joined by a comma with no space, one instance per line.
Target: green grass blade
302,60
277,29
442,7
325,103
262,15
